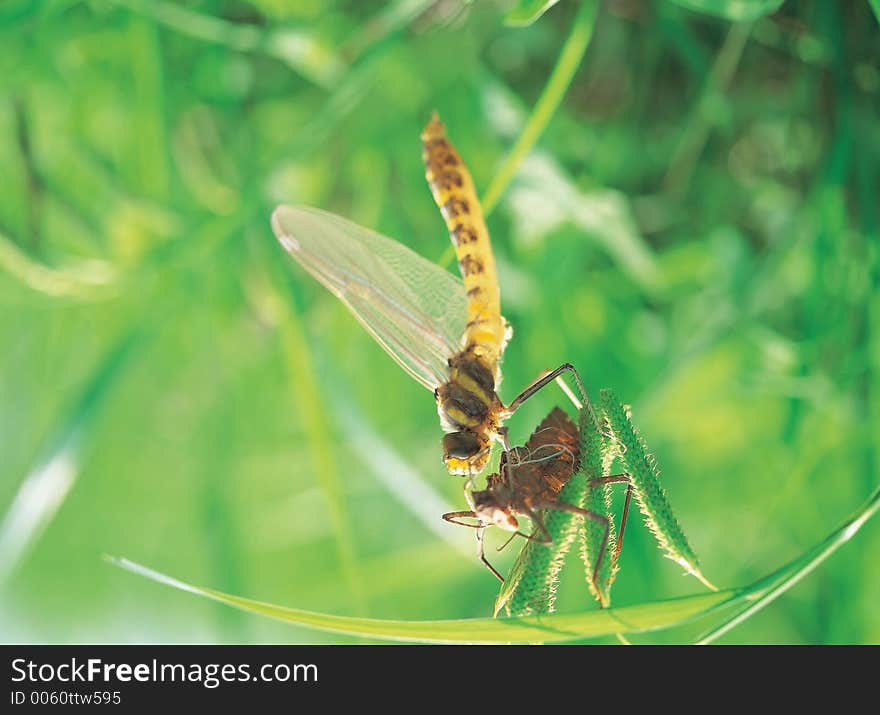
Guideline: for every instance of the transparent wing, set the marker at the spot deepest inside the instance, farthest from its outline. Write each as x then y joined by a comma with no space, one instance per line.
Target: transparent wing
412,307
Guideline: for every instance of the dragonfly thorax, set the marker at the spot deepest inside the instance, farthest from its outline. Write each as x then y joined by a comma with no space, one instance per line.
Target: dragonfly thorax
469,412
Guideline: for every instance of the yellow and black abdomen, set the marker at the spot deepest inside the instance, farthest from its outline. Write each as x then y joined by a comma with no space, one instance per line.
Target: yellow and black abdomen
485,333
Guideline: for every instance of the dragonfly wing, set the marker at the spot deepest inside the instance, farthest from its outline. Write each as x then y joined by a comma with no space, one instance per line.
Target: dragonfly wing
413,308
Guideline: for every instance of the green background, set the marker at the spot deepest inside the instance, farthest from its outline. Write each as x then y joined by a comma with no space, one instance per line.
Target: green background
697,228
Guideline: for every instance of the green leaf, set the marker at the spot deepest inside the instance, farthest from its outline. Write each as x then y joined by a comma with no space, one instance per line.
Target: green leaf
525,12
648,492
527,629
734,10
875,5
597,455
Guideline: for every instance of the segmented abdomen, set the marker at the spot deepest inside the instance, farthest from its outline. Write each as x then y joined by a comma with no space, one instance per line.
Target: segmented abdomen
453,190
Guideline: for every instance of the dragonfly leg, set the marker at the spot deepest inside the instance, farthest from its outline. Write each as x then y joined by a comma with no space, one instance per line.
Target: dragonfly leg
454,517
539,526
618,479
507,543
468,487
542,381
629,494
482,554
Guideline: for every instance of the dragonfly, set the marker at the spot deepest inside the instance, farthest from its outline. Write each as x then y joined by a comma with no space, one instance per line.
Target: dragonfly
528,482
446,332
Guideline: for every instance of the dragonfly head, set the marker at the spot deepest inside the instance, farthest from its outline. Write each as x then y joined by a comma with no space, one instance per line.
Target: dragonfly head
492,510
465,452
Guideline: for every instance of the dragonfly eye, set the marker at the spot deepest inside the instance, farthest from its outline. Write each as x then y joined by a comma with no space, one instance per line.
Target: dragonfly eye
461,445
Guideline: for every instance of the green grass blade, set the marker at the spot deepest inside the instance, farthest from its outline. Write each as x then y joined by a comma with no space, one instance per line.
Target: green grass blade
569,60
734,10
525,12
298,49
280,311
769,589
90,280
43,491
304,390
597,454
648,492
528,629
151,157
875,6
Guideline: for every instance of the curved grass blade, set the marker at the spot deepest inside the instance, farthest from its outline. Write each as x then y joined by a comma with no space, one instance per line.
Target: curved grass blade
529,629
89,280
773,586
734,10
648,492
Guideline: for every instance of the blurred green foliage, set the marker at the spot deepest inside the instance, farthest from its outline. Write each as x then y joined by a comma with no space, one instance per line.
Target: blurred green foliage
697,228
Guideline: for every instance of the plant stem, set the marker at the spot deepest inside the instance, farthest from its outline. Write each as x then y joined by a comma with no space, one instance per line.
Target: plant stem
569,60
697,132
